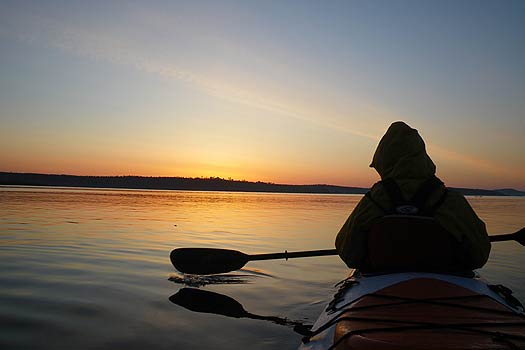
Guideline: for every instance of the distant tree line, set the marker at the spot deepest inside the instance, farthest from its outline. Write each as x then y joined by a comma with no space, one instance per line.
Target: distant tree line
197,184
167,183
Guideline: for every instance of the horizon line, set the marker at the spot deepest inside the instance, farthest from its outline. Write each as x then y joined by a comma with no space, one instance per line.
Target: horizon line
236,180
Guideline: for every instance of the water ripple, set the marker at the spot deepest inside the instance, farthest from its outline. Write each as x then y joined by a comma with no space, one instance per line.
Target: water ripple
203,280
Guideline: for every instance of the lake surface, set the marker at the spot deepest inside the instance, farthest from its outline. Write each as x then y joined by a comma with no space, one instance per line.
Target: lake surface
90,269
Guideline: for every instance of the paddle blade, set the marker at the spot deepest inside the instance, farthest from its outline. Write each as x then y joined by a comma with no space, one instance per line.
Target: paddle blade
208,302
207,261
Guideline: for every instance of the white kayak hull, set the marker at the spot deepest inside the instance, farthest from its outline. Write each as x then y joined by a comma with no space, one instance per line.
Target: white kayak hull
354,290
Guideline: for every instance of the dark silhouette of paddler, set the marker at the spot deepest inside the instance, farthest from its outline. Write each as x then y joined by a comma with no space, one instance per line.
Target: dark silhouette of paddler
409,220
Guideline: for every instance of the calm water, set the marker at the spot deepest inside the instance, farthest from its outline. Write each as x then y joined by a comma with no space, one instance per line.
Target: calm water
90,269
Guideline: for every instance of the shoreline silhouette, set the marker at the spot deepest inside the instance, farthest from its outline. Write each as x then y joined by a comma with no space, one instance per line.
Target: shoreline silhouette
198,184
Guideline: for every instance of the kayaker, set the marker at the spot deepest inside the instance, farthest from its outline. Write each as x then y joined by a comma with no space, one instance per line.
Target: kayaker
437,224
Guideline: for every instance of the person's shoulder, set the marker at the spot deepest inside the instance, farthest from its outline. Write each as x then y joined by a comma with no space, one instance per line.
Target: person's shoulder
376,189
451,192
454,196
378,193
372,203
376,186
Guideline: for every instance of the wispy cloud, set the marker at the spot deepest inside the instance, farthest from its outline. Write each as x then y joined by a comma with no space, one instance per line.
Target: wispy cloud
102,47
516,173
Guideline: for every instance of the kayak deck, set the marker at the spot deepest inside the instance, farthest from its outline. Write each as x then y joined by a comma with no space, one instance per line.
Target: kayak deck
419,311
427,311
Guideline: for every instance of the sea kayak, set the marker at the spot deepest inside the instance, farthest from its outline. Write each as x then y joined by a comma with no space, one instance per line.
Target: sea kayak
417,310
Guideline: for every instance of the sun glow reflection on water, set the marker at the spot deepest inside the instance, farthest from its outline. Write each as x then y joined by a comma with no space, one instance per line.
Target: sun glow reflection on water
91,267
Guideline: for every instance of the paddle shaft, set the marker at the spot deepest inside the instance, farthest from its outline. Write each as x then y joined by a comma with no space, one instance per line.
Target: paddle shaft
502,238
518,236
324,252
289,255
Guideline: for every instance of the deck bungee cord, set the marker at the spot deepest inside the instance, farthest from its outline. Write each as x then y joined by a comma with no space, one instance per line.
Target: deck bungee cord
500,319
404,301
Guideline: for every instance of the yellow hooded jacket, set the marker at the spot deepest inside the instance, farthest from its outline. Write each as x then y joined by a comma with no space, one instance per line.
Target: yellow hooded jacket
401,155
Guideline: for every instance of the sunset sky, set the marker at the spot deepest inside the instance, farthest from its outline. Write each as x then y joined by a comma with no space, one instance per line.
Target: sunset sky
284,91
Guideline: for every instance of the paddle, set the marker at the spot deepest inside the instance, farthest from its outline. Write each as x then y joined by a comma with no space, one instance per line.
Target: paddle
198,300
208,261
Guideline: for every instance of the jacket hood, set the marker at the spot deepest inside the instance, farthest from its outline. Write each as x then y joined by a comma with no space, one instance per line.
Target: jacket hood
401,154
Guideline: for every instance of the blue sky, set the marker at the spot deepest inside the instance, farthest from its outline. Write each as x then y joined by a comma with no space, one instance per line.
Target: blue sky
281,91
